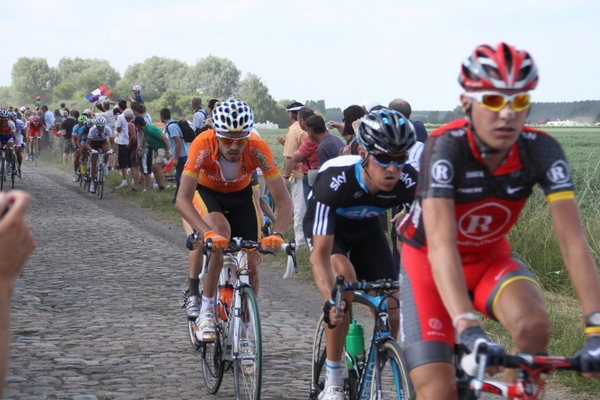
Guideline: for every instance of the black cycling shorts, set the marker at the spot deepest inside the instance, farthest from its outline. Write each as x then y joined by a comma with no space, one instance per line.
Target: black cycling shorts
237,207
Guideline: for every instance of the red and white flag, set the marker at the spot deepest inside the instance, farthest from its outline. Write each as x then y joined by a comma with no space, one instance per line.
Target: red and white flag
98,94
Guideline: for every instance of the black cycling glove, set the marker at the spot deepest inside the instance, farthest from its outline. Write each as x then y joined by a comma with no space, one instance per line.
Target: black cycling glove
191,240
329,304
496,355
589,355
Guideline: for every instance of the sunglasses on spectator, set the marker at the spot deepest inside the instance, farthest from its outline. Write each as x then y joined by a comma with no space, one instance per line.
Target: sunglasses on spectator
229,140
385,159
495,101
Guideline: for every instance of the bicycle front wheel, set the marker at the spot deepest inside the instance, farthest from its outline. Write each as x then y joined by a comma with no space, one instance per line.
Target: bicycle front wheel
212,359
247,368
100,181
395,382
13,173
2,173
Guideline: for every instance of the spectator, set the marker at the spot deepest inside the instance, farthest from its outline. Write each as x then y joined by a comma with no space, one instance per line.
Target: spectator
138,96
292,172
177,143
67,133
135,156
38,102
209,109
329,145
307,153
18,243
403,107
57,131
158,149
351,114
48,124
199,114
122,141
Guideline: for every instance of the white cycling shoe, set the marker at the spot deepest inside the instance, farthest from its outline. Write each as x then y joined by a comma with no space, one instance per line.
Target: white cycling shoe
206,332
332,392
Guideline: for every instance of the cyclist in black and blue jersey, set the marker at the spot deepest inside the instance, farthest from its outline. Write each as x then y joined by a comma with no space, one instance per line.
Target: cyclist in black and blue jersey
341,222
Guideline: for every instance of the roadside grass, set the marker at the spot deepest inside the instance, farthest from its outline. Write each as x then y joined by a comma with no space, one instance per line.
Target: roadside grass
532,239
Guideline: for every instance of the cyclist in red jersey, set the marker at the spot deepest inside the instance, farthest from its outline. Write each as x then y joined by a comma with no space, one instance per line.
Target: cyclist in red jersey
34,131
476,174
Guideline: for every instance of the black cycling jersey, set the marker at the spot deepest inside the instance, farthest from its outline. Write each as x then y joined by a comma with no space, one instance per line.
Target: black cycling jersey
339,195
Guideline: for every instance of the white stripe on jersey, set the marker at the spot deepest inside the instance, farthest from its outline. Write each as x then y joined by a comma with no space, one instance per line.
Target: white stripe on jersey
340,161
414,155
320,222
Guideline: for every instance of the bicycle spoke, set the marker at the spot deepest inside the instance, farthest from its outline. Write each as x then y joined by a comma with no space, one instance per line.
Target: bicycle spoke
395,382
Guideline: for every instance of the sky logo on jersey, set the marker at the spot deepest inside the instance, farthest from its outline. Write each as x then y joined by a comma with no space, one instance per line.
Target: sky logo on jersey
337,181
360,212
408,182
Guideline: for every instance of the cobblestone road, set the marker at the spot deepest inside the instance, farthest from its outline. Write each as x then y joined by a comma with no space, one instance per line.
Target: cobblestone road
95,312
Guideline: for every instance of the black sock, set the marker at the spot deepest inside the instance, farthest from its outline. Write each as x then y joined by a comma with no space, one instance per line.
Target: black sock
194,283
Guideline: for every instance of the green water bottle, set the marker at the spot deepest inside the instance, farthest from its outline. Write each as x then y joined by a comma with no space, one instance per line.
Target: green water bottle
355,345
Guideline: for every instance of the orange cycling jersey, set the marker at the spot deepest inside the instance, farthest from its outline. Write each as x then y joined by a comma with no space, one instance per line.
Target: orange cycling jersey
203,163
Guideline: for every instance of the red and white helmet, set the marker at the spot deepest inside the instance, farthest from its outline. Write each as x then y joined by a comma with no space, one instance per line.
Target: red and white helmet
503,67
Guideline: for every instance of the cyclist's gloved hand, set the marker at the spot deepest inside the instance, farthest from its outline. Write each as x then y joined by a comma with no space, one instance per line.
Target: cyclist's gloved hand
589,355
192,241
329,313
218,241
496,355
271,241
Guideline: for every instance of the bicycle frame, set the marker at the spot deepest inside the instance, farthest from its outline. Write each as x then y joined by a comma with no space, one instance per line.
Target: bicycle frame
381,331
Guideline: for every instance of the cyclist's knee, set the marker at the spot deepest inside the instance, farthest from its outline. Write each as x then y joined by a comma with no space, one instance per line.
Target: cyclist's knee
531,334
442,387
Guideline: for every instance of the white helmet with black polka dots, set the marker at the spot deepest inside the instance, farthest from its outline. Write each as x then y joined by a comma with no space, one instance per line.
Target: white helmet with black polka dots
232,116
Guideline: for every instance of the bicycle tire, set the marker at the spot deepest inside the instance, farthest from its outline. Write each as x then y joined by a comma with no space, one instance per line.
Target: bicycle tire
395,380
247,368
213,366
36,154
13,173
100,185
99,178
2,170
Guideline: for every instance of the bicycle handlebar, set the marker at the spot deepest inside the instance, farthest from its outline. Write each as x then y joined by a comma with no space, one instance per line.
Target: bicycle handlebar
340,287
237,244
475,363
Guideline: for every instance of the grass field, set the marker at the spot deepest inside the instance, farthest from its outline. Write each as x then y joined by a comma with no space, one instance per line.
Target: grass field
532,240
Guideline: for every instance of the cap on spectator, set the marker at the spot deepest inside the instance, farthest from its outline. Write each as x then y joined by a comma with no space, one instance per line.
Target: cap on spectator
38,98
370,104
23,109
87,112
120,98
295,106
139,120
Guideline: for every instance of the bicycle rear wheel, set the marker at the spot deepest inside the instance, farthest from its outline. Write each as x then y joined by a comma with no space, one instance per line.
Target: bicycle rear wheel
395,382
36,154
247,368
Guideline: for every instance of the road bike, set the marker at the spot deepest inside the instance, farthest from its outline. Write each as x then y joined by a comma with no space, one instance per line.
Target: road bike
5,168
383,373
101,172
238,346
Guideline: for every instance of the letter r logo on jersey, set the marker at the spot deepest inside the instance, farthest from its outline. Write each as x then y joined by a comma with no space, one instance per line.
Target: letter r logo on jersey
442,171
558,172
479,224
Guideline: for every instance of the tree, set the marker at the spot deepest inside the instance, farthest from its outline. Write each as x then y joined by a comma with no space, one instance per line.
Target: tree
177,102
31,77
597,118
254,92
213,75
6,96
318,105
156,75
77,77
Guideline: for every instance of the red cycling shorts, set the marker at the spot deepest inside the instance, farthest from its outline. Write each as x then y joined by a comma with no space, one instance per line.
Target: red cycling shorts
426,328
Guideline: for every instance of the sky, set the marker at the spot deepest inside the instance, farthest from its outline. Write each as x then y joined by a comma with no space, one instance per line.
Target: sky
343,51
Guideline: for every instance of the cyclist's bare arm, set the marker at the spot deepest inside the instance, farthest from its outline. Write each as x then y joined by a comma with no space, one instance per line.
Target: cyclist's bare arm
440,227
185,196
282,198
